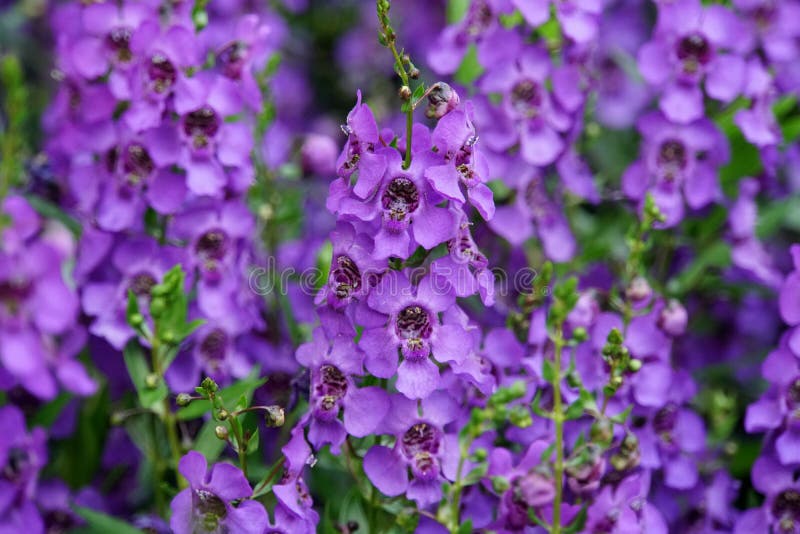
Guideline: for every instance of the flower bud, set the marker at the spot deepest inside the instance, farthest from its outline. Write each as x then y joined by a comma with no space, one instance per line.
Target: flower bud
536,489
500,484
223,414
405,92
602,432
413,73
585,468
442,99
673,319
639,292
151,381
274,416
221,432
209,385
634,365
136,320
183,399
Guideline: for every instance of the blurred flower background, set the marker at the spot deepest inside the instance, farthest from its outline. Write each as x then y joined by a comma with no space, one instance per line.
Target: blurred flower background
413,266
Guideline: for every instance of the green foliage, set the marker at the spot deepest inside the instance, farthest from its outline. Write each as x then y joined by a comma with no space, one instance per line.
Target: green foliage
99,523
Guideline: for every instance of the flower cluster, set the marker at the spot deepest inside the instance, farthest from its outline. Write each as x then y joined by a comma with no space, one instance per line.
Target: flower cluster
542,278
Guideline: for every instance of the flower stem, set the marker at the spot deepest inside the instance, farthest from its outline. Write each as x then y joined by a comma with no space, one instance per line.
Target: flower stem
389,38
167,417
558,418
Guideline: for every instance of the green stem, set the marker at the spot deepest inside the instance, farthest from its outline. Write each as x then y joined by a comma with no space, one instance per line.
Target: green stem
167,417
558,418
241,446
455,510
389,34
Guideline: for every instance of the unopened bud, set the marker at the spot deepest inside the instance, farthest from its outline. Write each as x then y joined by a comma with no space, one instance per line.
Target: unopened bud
480,454
442,99
673,319
413,73
580,334
274,416
500,484
136,320
639,291
222,415
634,365
151,381
157,306
221,432
405,92
183,399
209,385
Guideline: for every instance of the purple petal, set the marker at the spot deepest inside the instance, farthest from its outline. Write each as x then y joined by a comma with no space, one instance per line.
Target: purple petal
386,470
417,379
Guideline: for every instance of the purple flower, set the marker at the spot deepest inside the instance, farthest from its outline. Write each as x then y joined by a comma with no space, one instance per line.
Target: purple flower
528,114
294,512
353,271
164,55
400,207
138,265
22,455
676,161
414,331
623,508
422,447
781,509
362,139
465,267
779,408
481,26
534,213
694,43
578,18
333,363
206,505
454,138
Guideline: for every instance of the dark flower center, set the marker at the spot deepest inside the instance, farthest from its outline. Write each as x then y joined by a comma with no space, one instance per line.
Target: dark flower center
232,59
694,50
137,163
664,421
13,292
479,18
214,345
119,42
346,277
421,438
400,198
210,508
212,245
793,394
786,509
414,322
58,522
201,125
331,388
141,284
526,97
672,156
16,465
161,72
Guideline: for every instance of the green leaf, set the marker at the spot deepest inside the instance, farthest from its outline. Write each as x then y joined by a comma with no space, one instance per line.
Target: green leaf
578,522
621,417
716,255
575,410
470,67
548,371
245,386
207,442
100,523
48,414
51,211
465,527
139,371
